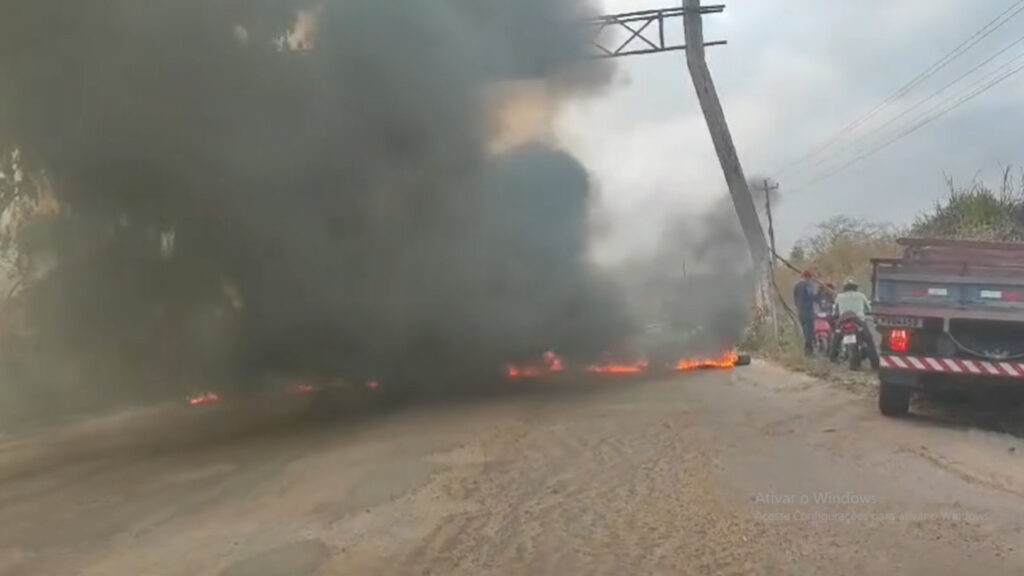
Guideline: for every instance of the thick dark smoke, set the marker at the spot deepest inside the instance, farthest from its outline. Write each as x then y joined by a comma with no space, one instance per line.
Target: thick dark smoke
344,189
699,282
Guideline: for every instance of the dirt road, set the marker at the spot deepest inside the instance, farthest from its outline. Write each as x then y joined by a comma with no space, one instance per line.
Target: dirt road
754,471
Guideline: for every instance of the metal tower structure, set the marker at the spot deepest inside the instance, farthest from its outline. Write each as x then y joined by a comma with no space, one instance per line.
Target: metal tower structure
644,31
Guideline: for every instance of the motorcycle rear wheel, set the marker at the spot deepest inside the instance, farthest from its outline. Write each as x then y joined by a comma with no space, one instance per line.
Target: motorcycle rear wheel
853,352
821,345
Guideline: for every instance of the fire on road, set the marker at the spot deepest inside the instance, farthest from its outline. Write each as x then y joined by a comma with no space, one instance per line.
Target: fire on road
704,472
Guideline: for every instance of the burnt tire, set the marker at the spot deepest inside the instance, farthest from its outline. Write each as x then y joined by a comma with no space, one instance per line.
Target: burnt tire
743,360
893,400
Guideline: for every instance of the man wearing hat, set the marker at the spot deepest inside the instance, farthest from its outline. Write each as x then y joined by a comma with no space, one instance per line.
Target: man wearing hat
804,295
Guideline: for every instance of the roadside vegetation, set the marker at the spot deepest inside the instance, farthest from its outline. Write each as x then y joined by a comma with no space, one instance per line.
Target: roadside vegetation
842,247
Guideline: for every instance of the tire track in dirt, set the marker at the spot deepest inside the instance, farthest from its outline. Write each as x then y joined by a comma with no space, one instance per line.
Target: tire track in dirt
596,495
1002,483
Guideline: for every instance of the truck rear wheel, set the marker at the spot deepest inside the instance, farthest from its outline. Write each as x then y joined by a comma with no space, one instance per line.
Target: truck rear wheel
893,400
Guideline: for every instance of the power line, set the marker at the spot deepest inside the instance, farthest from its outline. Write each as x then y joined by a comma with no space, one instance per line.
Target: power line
935,94
909,131
961,49
914,128
943,108
993,25
994,75
951,84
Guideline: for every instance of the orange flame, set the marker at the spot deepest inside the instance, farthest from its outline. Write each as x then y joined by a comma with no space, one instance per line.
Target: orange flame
615,368
727,360
300,388
551,364
202,399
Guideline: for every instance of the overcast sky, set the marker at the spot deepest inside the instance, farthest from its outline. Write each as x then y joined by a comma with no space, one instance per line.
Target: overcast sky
793,73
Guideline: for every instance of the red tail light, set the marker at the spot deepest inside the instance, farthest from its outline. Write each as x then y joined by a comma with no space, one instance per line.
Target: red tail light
899,341
849,327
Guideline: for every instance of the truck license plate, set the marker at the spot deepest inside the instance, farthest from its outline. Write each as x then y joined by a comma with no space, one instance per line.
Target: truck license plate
850,339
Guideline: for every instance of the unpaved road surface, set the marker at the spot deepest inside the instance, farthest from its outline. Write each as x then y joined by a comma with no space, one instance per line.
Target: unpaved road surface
753,471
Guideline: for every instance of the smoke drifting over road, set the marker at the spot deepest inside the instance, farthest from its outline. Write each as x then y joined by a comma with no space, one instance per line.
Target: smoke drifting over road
699,280
328,160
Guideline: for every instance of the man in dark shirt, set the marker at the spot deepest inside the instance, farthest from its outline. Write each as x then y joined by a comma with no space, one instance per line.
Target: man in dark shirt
804,295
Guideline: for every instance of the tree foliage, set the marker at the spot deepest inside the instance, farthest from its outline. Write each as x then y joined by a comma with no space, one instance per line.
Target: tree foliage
976,211
842,247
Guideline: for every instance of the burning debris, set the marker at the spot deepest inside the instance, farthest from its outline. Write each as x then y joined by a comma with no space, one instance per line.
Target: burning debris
203,399
300,389
550,364
725,361
609,366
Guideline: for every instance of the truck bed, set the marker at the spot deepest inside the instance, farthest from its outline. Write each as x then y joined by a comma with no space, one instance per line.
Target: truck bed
952,279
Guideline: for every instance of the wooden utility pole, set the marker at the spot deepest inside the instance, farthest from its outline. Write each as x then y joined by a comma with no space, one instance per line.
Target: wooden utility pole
768,188
725,149
637,26
720,136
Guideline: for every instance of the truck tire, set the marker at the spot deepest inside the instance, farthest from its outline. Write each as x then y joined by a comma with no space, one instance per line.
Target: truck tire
893,400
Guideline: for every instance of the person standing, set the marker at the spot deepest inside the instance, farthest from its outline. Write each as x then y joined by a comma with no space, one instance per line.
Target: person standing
804,295
826,298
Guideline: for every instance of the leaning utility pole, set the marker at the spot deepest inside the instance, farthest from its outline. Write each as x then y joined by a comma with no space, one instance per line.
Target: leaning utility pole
724,147
693,26
644,33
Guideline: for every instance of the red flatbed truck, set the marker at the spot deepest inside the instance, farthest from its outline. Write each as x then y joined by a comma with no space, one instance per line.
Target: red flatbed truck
951,315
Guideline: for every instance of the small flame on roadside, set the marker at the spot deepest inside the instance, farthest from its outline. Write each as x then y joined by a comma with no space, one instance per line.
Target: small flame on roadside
727,360
300,388
203,399
615,368
551,364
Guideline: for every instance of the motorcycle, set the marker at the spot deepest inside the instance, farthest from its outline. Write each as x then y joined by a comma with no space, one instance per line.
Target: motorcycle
822,334
853,347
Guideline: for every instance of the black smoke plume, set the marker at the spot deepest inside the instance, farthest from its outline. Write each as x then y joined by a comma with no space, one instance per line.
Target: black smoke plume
332,169
699,284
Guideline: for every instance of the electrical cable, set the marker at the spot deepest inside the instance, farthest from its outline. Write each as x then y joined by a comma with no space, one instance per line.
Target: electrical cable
990,27
914,128
931,97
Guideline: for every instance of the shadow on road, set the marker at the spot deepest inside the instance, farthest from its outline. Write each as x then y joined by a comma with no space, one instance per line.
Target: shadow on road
999,411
